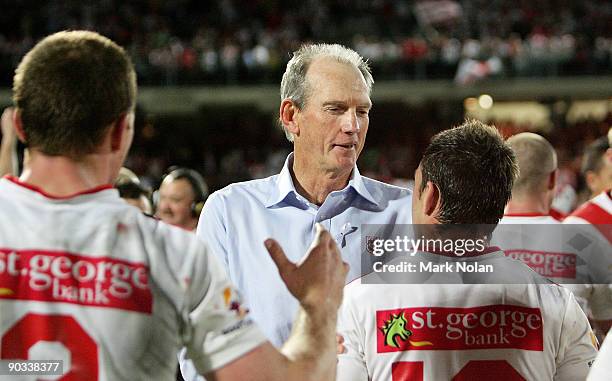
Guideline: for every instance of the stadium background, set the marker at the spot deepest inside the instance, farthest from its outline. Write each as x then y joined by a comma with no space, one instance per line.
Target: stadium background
209,73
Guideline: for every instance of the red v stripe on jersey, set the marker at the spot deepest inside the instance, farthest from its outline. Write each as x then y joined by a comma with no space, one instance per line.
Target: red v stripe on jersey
594,214
598,217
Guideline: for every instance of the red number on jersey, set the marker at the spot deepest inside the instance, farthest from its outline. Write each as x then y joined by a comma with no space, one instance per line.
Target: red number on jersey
407,370
498,370
64,329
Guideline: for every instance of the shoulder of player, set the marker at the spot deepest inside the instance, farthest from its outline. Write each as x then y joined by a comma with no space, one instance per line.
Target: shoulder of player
363,288
518,272
589,212
556,294
389,191
574,219
510,219
549,290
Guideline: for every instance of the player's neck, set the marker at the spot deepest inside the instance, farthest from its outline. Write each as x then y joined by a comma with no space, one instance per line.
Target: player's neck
532,206
315,186
62,176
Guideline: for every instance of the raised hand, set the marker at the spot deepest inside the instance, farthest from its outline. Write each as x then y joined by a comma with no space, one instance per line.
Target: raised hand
6,124
319,277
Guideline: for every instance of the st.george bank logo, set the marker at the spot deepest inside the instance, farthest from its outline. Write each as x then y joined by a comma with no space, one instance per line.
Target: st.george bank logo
450,328
547,264
51,276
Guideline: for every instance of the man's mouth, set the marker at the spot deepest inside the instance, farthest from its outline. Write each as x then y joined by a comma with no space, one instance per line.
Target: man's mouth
348,146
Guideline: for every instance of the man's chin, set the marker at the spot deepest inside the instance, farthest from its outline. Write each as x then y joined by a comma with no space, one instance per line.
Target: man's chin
347,159
345,164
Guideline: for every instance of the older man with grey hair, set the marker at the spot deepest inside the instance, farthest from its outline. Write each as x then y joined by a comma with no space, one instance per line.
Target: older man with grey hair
324,111
534,189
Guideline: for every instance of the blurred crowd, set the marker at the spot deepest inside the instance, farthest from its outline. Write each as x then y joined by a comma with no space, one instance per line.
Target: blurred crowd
228,41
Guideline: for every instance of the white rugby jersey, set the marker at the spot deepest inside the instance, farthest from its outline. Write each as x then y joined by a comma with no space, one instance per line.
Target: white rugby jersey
594,220
90,280
573,255
538,247
402,332
596,212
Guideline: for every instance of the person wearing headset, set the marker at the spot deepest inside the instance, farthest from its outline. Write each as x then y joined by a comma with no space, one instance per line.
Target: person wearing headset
181,197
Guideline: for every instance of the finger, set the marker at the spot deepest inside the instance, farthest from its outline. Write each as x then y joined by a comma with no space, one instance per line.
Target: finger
339,339
322,235
332,245
319,228
278,256
345,267
340,349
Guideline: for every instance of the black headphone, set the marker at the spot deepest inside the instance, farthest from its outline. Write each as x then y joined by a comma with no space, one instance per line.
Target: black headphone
198,185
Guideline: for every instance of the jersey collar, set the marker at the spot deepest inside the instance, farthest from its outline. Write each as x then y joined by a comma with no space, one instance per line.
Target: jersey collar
36,189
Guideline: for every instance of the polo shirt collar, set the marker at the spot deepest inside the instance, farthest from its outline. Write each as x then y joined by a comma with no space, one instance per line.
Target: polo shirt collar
285,187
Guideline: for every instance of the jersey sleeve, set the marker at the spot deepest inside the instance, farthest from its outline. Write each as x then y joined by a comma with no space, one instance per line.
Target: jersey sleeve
577,344
351,363
216,328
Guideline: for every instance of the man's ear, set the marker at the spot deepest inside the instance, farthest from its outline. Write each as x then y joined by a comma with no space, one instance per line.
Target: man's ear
590,178
18,125
432,202
288,116
117,131
552,180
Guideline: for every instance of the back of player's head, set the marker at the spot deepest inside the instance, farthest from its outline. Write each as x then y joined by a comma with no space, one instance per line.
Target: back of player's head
126,175
594,155
536,159
69,88
474,170
135,194
130,189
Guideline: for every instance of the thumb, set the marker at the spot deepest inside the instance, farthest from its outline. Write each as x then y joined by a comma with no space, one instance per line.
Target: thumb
278,256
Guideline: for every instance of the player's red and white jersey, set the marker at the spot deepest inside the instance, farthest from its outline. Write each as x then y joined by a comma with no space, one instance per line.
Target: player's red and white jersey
596,212
401,332
573,255
92,281
593,221
539,247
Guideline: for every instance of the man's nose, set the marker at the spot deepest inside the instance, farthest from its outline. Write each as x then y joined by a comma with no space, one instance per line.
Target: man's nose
350,124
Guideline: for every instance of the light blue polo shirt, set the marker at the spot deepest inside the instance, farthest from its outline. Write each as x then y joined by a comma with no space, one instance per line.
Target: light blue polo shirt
238,218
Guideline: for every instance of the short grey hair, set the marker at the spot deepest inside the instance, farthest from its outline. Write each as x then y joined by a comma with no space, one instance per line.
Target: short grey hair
294,85
536,159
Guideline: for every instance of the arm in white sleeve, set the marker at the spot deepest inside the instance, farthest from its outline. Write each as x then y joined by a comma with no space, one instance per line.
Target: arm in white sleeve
577,344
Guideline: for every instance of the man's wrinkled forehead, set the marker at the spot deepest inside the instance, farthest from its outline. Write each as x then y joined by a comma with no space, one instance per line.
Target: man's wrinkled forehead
330,68
333,81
